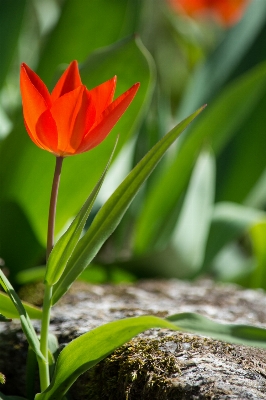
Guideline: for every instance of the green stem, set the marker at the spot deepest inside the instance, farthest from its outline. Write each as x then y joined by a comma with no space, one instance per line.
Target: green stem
44,366
52,209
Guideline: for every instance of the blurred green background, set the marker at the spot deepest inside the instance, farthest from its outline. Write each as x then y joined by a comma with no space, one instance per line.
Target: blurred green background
202,212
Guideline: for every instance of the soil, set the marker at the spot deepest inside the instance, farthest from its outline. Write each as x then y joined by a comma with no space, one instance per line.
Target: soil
158,364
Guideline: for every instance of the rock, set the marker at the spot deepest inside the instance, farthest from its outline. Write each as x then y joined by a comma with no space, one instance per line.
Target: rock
158,364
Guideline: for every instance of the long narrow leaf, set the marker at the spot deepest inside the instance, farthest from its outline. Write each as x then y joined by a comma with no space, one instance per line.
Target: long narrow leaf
8,309
225,115
87,350
4,397
66,244
239,334
257,235
24,318
4,319
191,233
112,212
11,18
229,221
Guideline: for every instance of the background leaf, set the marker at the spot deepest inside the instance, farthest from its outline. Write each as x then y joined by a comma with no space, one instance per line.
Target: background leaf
231,107
10,27
192,230
257,233
80,31
239,334
8,309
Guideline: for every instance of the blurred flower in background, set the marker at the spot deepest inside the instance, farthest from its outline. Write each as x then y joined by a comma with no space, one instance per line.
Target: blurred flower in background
225,12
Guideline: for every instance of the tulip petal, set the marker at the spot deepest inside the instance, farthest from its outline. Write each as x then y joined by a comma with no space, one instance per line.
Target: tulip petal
73,114
69,81
30,77
108,119
46,133
102,95
84,120
35,97
34,137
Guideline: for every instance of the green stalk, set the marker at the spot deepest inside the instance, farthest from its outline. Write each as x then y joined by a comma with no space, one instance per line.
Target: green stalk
52,209
44,366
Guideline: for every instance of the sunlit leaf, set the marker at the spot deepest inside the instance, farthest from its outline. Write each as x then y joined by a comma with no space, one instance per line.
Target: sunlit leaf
191,233
8,309
64,247
30,275
229,221
87,350
258,234
26,323
239,334
113,210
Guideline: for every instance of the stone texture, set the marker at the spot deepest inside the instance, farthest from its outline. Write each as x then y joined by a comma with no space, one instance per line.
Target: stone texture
158,364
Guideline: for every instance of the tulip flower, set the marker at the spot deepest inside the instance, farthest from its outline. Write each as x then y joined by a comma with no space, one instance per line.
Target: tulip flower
72,119
227,12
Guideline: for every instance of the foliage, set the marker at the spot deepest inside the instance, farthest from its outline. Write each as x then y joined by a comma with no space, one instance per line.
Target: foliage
194,212
234,87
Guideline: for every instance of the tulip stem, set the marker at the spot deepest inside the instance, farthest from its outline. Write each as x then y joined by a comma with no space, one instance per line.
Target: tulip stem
52,210
44,366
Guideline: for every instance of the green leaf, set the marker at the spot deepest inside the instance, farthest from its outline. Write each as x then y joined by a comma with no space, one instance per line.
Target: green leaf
64,247
4,397
4,319
113,210
79,23
243,156
31,370
239,334
90,348
10,25
229,221
30,275
24,317
233,106
222,63
8,309
28,249
191,233
2,378
257,234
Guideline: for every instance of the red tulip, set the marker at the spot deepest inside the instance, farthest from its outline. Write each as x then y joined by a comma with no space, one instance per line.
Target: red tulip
227,12
72,119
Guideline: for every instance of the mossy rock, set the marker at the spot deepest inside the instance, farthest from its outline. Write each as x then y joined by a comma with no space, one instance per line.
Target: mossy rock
158,364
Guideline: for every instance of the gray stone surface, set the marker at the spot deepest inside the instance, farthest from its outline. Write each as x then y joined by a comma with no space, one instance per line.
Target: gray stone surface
158,364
